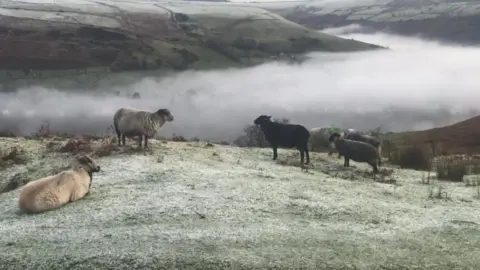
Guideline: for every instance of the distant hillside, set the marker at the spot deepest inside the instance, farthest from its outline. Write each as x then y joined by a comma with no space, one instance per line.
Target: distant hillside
39,39
452,21
461,137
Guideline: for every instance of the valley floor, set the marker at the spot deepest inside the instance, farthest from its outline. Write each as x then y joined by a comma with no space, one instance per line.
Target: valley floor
189,205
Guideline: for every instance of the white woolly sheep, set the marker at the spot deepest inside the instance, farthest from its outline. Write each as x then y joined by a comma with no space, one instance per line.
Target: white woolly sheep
131,123
355,150
54,191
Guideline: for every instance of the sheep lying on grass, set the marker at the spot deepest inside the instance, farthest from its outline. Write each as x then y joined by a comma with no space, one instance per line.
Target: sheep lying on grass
285,135
132,122
357,136
54,191
355,150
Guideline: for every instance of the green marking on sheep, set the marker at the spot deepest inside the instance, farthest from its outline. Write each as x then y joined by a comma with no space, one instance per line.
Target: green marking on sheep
333,129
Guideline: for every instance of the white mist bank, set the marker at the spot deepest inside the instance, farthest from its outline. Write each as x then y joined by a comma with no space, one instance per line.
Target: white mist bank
416,85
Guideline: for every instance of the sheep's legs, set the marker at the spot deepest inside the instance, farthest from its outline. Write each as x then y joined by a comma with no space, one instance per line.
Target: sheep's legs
379,150
307,153
346,162
302,154
119,135
140,138
374,166
275,155
146,140
123,139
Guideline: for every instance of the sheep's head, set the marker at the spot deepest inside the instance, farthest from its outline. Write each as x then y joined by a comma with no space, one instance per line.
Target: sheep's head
88,163
262,119
166,114
335,136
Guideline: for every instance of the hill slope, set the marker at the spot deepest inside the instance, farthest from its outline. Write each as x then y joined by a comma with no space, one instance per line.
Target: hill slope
461,137
447,20
192,205
39,39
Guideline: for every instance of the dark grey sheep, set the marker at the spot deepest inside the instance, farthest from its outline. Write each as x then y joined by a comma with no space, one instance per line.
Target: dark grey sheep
356,151
132,122
285,136
375,142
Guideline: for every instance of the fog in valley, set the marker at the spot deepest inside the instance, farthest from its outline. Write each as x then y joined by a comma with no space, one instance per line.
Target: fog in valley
418,84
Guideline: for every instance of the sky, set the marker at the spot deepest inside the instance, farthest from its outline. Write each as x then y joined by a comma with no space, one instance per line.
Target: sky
418,84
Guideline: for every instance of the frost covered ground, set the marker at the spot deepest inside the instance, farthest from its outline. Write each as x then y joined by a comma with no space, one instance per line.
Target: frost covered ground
378,10
191,205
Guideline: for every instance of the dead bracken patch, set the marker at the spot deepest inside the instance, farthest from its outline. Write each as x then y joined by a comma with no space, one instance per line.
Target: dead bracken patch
7,134
105,150
128,149
438,192
385,176
178,138
93,145
13,183
411,158
76,146
222,142
13,155
44,132
51,146
455,167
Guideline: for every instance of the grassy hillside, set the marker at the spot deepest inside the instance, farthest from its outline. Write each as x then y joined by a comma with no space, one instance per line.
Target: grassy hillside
452,21
65,38
461,137
192,205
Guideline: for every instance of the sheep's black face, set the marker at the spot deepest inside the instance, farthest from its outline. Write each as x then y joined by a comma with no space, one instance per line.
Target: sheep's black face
96,169
87,161
166,113
334,137
262,119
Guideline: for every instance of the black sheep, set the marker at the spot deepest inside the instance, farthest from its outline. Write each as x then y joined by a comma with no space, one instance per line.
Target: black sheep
356,151
357,136
285,136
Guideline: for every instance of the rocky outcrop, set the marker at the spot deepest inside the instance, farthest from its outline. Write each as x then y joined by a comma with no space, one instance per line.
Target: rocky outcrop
118,36
446,20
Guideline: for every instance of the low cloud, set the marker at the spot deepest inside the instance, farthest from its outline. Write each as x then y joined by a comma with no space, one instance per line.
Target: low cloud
417,84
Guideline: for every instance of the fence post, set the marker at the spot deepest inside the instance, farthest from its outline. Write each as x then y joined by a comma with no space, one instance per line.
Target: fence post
430,163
